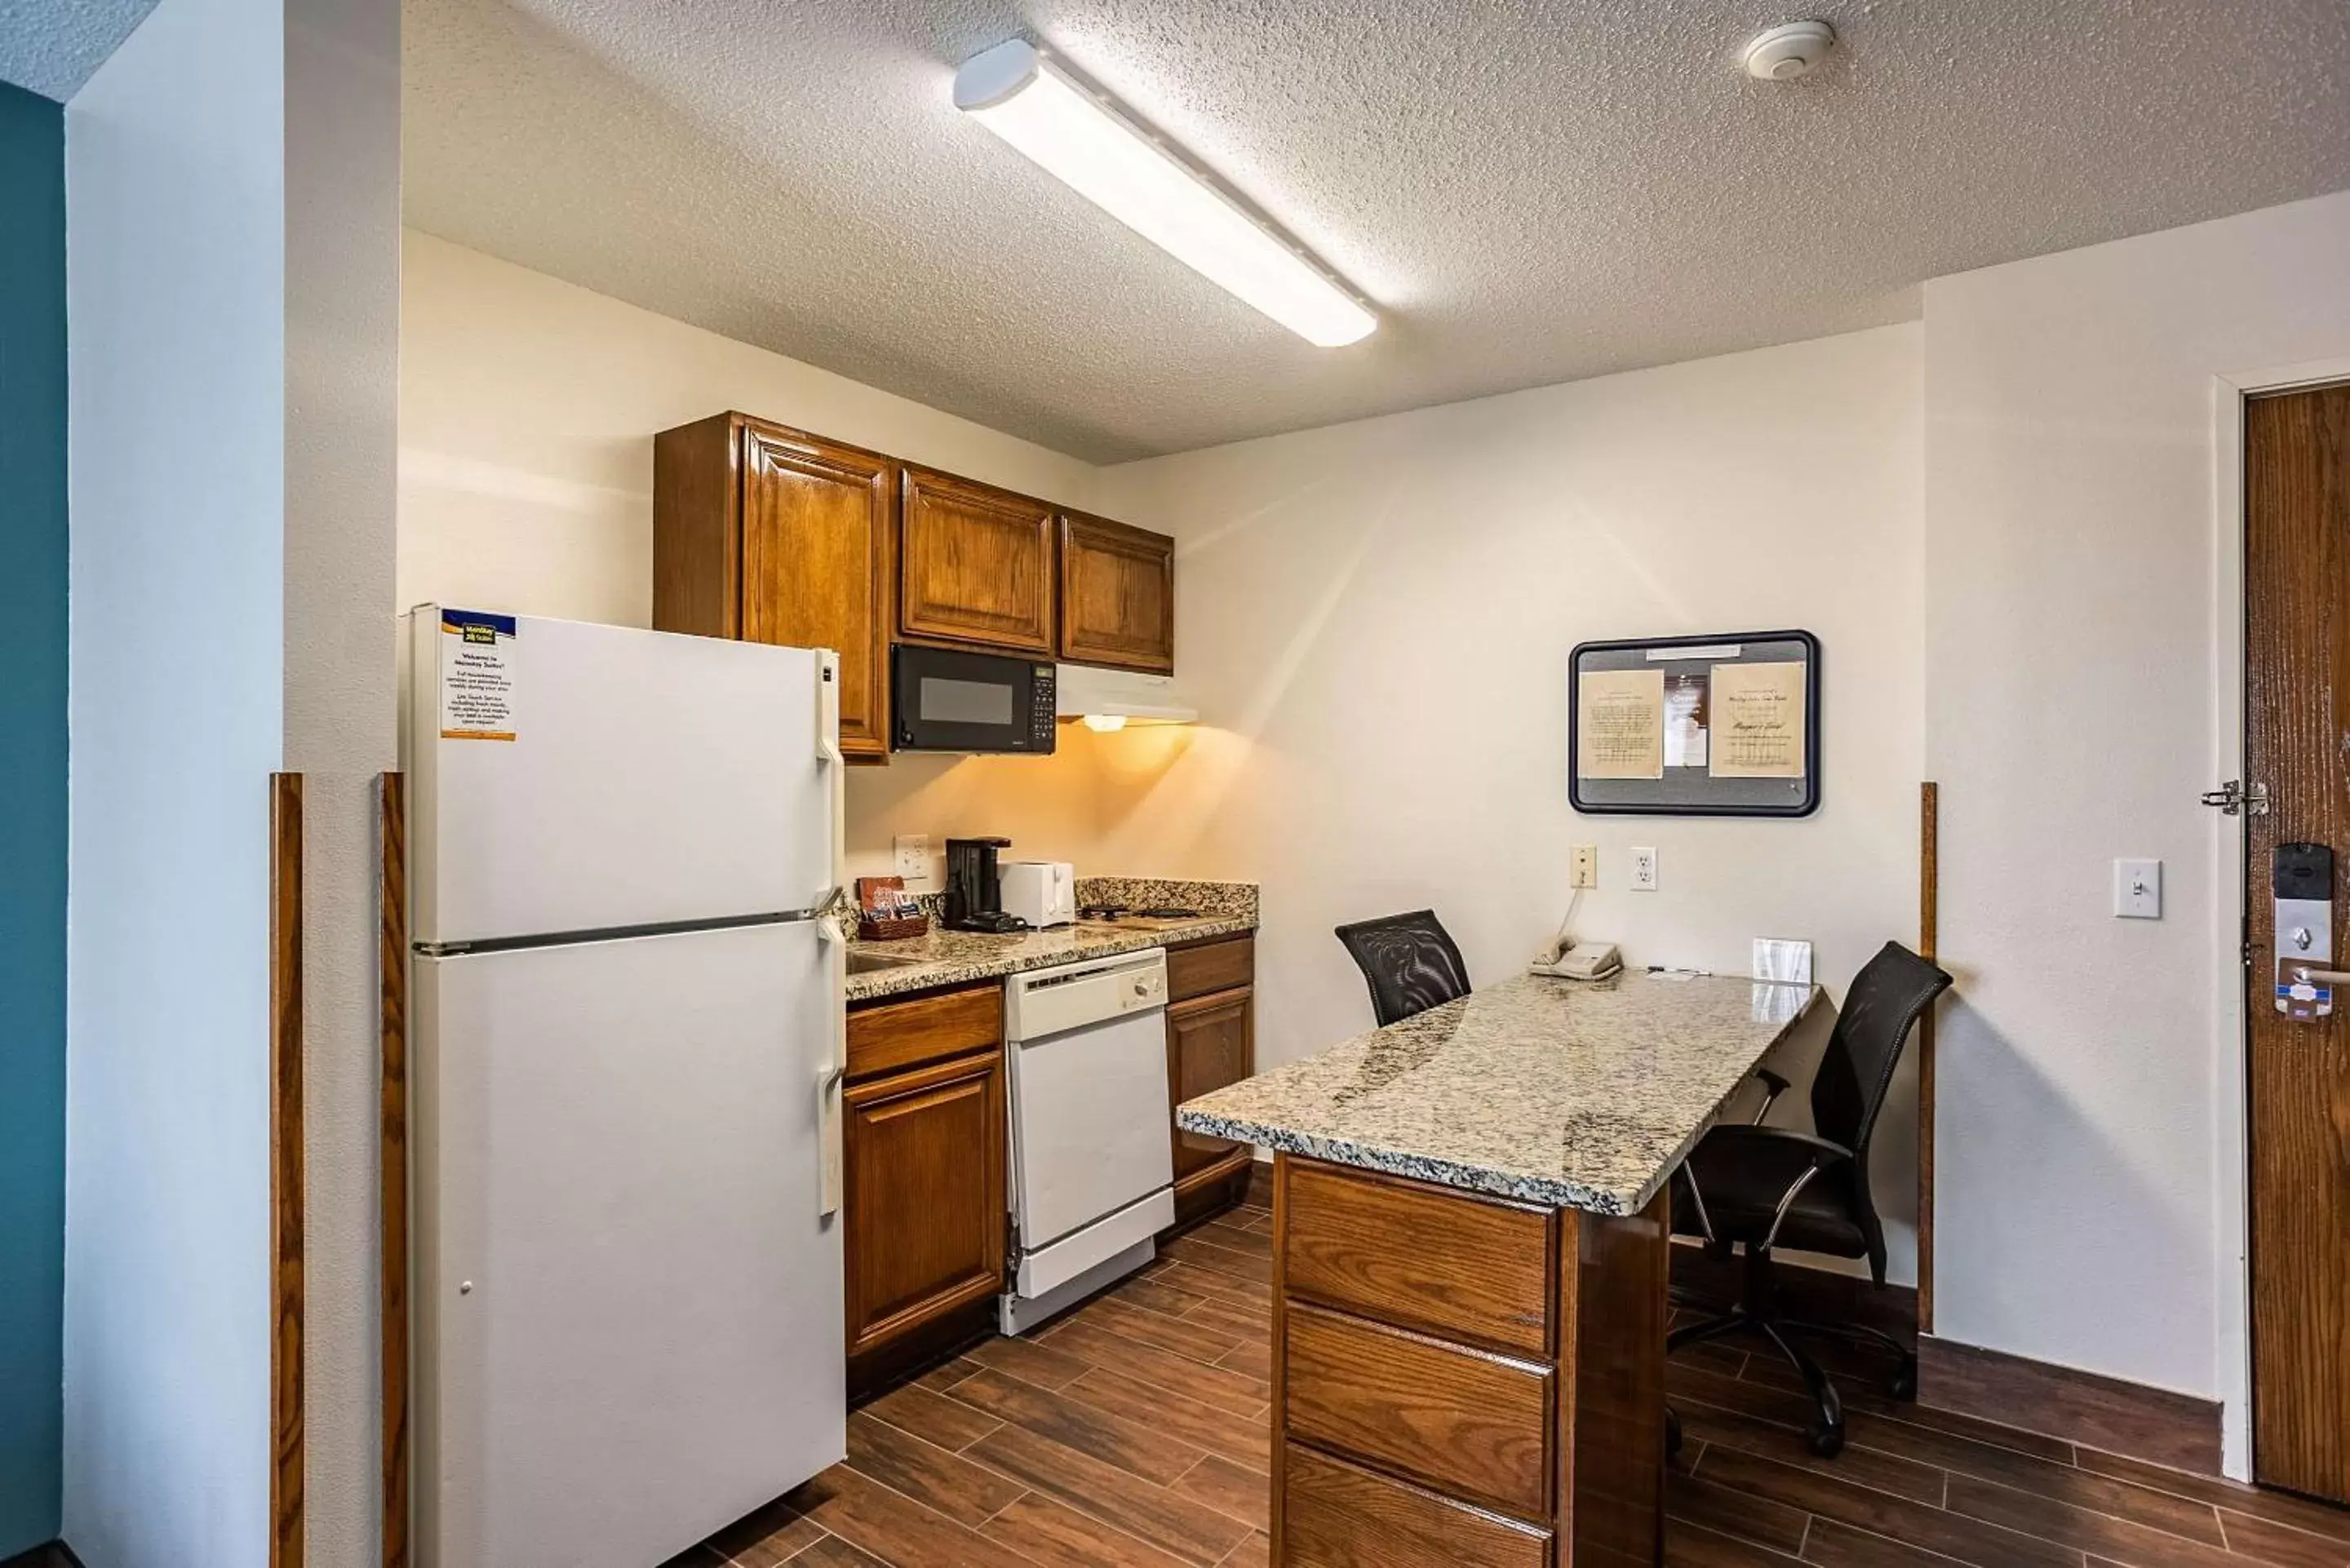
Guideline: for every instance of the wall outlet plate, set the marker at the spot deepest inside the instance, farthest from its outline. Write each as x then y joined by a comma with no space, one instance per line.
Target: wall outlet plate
1644,869
912,861
1584,869
2137,890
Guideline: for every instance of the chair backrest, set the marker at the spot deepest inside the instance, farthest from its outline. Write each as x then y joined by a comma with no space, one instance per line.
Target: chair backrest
1410,962
1885,998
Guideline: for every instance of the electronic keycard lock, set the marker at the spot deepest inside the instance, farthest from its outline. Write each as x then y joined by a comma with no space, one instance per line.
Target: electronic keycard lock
2305,975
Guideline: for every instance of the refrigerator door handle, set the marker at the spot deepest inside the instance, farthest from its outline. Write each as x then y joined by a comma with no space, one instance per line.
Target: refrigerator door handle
834,1066
828,751
827,1117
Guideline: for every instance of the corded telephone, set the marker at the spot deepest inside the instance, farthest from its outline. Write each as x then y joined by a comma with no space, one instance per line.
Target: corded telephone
1572,960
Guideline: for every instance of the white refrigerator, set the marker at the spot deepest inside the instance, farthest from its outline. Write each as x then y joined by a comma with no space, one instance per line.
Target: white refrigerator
627,1045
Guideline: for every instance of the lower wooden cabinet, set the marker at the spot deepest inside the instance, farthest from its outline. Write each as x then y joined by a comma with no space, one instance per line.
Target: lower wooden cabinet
1210,1041
925,1201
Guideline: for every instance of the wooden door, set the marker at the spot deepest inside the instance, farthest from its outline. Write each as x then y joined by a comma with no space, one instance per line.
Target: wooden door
2297,742
1210,1041
925,1207
1117,595
818,524
975,566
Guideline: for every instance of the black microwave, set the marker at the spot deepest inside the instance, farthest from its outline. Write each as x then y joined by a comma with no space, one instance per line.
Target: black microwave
942,701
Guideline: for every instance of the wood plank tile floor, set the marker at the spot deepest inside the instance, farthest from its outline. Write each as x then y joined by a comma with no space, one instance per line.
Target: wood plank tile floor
1134,1434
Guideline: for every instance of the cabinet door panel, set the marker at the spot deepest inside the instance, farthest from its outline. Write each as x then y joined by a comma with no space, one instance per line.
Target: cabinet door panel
817,520
1117,595
975,565
925,1198
1210,1041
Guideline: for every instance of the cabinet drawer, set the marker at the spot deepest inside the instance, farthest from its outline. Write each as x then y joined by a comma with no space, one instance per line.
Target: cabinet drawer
1337,1515
901,1034
1423,1257
1472,1424
1210,966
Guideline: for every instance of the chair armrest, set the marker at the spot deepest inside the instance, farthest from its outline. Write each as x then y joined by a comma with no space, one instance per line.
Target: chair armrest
1773,1086
1789,1160
1818,1151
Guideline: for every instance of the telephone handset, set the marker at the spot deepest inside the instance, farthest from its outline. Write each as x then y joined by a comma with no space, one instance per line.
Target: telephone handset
1568,959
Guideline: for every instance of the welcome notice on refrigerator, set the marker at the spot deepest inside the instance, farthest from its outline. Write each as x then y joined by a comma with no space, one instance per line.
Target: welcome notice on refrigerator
480,654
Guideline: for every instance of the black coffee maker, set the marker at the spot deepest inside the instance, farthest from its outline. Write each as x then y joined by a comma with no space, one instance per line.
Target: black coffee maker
974,890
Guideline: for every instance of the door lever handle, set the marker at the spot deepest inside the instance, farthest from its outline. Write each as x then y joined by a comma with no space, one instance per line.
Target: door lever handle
2317,976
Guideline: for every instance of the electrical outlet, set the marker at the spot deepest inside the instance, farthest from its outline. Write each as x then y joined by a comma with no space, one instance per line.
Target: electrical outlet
2137,890
1585,873
1644,869
913,859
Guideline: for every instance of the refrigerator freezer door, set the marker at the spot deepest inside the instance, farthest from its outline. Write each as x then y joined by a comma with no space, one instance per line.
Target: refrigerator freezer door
650,779
629,1305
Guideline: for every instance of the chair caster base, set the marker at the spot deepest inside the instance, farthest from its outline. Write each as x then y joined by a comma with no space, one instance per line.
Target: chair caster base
1827,1441
1904,1381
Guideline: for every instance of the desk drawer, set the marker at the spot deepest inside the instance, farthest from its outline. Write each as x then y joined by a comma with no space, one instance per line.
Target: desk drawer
1423,1257
1337,1515
1468,1423
896,1035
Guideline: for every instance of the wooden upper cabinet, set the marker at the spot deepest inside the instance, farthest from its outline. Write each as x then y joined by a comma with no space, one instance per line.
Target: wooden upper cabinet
1117,595
974,565
772,534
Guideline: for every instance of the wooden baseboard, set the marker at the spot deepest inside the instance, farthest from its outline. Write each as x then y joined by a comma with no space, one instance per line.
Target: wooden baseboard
286,1169
2128,1418
391,963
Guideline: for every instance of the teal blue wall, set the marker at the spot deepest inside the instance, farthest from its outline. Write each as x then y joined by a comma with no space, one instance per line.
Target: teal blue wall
32,812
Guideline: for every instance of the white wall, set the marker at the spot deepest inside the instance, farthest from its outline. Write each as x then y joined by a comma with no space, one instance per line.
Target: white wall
177,497
2086,1154
1375,619
342,367
231,244
527,411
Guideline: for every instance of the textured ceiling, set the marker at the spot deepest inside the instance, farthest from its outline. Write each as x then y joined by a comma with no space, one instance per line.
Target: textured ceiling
51,46
1530,193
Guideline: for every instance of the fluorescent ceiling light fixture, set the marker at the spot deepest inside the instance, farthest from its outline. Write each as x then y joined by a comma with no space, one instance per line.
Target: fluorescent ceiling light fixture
1026,98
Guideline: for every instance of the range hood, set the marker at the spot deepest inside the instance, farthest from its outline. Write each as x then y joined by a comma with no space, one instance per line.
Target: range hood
1112,699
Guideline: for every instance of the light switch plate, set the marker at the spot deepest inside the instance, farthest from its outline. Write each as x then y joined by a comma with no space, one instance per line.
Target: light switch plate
1585,868
913,860
1644,869
1782,958
2137,890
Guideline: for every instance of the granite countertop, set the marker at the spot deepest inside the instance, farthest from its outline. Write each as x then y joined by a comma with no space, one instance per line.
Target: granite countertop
1578,1095
959,958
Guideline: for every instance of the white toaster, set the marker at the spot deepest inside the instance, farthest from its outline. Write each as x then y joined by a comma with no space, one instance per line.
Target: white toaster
1041,892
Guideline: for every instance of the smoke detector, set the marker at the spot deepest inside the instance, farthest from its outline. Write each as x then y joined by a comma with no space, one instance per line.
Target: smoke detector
1789,50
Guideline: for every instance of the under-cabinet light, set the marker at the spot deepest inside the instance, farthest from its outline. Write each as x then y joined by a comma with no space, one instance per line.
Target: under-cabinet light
1022,96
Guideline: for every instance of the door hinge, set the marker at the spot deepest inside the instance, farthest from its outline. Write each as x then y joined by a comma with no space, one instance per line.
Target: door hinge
2234,798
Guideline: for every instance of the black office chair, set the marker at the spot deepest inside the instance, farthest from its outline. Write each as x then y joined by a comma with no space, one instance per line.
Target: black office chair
1760,1187
1410,962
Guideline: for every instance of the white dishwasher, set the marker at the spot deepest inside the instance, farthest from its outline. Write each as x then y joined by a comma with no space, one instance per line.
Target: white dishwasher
1093,1164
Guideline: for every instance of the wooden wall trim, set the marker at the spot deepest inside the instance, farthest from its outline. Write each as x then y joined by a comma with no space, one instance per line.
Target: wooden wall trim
391,963
286,1169
1929,878
2132,1419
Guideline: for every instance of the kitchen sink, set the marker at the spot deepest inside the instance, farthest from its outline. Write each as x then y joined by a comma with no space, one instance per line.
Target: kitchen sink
867,963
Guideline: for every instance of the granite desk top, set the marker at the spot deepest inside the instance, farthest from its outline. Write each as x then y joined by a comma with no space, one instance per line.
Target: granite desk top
943,958
1581,1095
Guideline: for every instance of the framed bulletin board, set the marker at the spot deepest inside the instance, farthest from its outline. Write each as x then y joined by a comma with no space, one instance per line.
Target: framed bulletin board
1695,726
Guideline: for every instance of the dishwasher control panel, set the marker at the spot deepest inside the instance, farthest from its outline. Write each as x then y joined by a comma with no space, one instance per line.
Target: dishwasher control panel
1053,1001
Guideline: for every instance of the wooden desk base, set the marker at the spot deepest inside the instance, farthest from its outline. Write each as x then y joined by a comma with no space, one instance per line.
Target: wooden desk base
1463,1381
